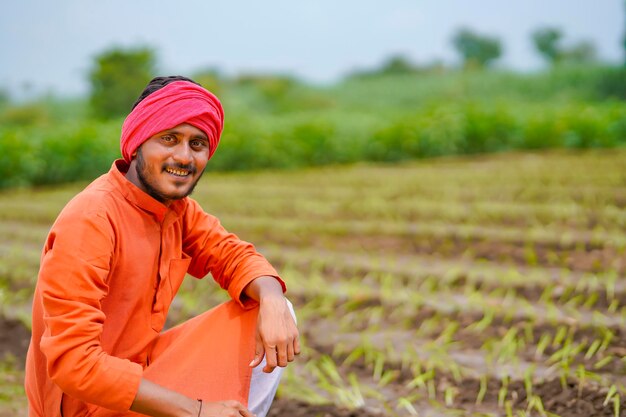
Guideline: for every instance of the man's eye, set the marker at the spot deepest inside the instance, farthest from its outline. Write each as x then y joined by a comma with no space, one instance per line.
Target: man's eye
168,138
198,144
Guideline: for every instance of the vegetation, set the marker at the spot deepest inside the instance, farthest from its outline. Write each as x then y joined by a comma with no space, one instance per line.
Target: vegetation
401,113
548,43
449,287
117,78
483,286
478,51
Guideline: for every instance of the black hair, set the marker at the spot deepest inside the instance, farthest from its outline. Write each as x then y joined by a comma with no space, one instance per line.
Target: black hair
159,82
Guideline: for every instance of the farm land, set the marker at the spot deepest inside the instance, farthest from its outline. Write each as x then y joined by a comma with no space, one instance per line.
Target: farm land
484,286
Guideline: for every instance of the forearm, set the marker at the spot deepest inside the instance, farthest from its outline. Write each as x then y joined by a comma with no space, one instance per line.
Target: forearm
264,287
157,401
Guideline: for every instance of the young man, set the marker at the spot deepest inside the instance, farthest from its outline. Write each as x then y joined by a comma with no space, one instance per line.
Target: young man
114,260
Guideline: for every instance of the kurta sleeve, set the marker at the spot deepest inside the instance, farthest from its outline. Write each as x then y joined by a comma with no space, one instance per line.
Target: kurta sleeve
73,279
232,262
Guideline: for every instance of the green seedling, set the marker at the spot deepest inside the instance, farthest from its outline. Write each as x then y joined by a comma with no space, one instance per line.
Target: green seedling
544,341
535,403
593,348
607,338
503,391
508,407
591,300
610,282
528,380
356,397
547,294
603,362
296,387
448,333
482,391
484,323
421,380
564,373
528,332
582,376
432,390
406,404
388,376
559,336
609,395
448,394
379,364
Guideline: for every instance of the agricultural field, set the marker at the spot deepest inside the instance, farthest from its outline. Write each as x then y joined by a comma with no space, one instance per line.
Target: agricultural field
484,286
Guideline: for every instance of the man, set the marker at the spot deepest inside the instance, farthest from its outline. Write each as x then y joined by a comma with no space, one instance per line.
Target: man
114,260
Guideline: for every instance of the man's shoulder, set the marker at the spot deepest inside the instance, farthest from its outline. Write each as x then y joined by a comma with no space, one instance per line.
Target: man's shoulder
98,197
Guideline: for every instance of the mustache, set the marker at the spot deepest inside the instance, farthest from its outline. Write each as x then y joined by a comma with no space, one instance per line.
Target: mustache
188,167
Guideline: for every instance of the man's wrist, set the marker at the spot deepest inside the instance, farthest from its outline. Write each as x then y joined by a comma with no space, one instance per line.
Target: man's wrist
271,297
265,287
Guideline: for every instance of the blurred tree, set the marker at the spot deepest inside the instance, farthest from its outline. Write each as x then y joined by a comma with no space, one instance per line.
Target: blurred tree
117,77
5,98
546,41
397,64
476,50
583,52
272,87
29,114
211,79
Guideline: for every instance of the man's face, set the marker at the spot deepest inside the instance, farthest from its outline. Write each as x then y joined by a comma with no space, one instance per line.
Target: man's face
169,164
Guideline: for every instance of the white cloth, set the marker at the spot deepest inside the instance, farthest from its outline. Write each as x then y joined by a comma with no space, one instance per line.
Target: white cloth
263,386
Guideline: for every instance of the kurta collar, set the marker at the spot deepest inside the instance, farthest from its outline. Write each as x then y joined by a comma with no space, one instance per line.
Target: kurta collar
138,197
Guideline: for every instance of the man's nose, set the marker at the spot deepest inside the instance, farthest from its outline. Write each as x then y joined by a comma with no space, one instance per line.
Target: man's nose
183,153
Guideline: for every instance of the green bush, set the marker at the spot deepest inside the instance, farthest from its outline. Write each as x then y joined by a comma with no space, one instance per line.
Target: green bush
611,83
36,156
384,119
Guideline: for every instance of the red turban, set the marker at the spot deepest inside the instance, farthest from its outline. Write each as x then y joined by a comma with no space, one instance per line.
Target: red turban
176,103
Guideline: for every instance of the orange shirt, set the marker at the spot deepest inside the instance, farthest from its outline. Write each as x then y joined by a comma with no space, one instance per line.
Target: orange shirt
111,265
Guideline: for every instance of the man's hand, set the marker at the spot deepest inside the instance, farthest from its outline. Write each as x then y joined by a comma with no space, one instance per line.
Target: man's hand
158,401
224,409
277,334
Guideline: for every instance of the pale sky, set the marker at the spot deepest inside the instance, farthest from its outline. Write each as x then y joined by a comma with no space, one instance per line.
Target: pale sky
49,45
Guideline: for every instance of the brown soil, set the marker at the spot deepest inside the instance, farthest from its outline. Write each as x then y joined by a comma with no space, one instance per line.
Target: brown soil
566,401
286,407
14,340
586,257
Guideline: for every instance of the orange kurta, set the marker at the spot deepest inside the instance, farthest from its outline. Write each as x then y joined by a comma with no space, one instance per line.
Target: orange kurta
111,265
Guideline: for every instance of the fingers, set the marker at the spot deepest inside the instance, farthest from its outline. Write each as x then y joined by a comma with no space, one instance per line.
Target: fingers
296,345
237,408
259,351
280,355
271,359
290,352
277,329
229,408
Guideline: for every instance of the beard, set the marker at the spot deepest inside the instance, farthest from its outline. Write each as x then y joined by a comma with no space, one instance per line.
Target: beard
151,185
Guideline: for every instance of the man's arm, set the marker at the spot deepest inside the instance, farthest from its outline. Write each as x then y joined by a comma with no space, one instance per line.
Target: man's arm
277,334
232,262
157,401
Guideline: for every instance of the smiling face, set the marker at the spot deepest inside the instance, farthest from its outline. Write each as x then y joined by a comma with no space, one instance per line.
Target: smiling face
169,164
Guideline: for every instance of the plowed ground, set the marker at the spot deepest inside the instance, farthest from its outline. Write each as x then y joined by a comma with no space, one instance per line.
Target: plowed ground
486,286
